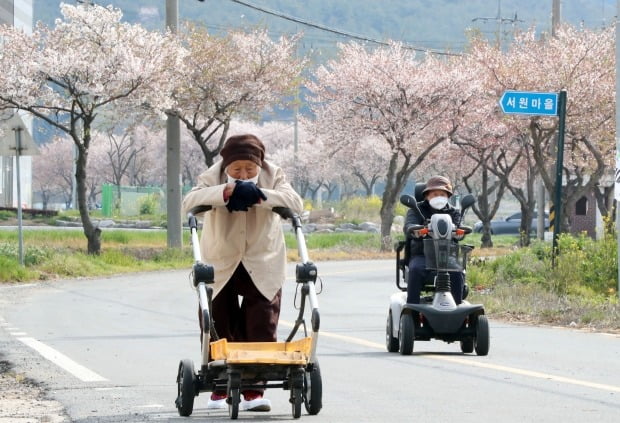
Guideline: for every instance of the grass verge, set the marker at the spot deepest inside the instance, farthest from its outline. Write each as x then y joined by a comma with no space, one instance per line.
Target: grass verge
516,284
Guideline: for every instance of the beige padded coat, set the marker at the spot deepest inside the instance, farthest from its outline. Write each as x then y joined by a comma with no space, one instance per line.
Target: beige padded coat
254,238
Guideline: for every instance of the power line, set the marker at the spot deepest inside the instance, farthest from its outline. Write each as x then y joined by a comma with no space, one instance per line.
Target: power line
335,31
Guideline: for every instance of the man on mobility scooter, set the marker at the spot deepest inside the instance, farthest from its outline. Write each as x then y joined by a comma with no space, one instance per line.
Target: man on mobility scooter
431,263
242,238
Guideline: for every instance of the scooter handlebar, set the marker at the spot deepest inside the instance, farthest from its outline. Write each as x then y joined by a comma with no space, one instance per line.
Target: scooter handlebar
465,230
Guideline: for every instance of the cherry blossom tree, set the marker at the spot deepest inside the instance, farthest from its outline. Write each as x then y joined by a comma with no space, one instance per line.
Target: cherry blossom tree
149,166
98,170
52,170
411,105
89,63
363,161
577,60
242,74
488,144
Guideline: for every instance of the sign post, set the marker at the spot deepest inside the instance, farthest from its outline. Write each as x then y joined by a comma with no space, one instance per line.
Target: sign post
543,104
558,173
18,150
23,144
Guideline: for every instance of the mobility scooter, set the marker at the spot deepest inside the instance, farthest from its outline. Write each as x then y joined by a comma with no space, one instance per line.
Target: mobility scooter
437,316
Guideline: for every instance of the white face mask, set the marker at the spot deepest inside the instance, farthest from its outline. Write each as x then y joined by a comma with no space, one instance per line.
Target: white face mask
438,203
232,180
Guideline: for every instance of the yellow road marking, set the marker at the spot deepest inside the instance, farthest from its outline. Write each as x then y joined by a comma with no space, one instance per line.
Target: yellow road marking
467,362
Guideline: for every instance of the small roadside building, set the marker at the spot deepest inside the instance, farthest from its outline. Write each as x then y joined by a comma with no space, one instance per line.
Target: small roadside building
19,14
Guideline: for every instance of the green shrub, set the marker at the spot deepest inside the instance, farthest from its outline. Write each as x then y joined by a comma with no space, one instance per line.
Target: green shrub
583,267
32,255
148,204
520,266
586,264
12,271
364,209
6,215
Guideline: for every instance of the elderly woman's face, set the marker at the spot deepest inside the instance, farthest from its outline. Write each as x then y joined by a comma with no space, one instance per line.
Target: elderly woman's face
242,169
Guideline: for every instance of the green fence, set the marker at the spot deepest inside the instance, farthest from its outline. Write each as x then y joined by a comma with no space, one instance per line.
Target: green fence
134,201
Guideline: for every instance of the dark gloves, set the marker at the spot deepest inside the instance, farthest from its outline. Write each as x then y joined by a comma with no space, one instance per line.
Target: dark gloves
245,195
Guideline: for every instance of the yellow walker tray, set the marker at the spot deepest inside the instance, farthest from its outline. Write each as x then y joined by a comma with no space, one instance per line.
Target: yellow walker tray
284,353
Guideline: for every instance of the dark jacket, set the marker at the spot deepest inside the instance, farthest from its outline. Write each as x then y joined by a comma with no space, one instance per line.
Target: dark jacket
412,218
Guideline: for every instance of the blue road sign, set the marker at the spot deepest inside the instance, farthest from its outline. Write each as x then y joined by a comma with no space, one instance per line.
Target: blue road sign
529,103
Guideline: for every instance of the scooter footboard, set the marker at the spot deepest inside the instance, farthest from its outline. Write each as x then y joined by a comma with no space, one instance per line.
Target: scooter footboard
446,322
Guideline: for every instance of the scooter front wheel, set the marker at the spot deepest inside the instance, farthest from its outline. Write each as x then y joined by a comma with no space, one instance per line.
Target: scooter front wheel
406,334
482,335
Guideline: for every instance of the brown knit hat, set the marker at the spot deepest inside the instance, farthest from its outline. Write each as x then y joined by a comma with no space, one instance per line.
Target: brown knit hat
438,182
243,147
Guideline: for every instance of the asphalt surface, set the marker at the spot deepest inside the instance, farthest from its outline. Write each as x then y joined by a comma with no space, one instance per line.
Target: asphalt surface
108,349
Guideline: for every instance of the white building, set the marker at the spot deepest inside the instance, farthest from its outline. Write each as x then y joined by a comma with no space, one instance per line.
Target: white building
19,14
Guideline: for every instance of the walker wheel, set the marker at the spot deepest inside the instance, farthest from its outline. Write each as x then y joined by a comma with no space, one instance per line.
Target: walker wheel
313,389
234,395
186,388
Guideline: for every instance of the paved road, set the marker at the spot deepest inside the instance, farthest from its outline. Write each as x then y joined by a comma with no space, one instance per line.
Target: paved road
113,346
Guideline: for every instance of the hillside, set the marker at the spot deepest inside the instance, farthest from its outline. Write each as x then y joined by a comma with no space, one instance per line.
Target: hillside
437,24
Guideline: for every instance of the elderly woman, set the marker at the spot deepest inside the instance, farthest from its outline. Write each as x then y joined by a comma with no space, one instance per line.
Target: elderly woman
242,238
436,195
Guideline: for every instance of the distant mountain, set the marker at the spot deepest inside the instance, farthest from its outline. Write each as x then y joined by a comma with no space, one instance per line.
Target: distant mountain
437,24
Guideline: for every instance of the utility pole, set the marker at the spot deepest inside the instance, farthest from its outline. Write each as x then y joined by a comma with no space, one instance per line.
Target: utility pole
540,186
173,153
500,21
555,17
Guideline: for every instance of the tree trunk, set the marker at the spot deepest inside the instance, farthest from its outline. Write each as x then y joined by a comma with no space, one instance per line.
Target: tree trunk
395,182
486,241
387,218
92,233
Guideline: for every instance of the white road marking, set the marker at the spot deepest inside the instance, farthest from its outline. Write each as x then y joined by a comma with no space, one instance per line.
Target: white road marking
18,333
466,362
61,360
149,406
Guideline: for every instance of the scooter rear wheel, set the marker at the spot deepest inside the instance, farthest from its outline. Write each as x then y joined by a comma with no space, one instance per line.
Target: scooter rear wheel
406,334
